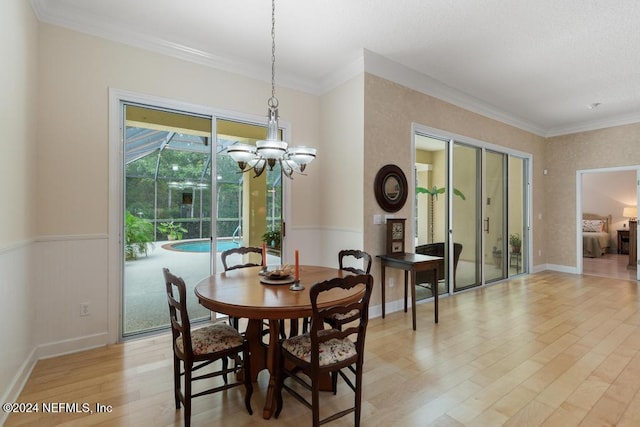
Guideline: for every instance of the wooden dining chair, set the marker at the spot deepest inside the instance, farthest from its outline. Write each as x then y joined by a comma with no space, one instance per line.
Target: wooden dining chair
350,257
242,251
234,253
327,351
197,348
346,255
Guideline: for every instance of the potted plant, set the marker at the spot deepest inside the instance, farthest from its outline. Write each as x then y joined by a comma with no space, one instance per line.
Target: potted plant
516,242
272,237
138,236
172,229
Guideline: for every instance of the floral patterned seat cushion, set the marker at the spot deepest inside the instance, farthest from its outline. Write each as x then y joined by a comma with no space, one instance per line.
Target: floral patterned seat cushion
342,316
211,339
332,351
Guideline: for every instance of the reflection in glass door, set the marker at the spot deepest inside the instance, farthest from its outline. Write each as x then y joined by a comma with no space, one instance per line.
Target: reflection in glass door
495,216
466,212
517,218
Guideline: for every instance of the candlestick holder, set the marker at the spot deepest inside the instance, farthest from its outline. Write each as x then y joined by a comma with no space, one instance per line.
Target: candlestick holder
296,286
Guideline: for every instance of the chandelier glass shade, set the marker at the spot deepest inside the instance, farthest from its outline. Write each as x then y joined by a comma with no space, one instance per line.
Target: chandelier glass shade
272,150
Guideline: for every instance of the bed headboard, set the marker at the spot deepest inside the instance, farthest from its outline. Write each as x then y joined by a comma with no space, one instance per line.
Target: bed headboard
606,220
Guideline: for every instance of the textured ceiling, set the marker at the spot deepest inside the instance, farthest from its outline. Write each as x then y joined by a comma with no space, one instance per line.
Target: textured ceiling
538,65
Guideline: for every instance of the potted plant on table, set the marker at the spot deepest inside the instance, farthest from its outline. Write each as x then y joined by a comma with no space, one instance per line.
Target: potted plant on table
172,229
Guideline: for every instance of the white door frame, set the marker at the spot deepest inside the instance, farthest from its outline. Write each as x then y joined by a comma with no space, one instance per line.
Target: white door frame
116,197
579,174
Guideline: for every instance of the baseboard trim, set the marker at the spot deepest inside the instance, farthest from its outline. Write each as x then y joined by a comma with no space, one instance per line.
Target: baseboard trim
72,345
18,382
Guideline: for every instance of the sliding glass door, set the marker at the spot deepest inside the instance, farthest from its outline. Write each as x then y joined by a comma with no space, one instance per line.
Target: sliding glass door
474,200
167,211
466,210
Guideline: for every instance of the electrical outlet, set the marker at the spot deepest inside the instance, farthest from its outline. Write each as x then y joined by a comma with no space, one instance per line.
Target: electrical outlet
84,309
392,282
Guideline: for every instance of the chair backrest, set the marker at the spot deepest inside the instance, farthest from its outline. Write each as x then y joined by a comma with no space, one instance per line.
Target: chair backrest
180,325
437,249
357,254
243,250
357,313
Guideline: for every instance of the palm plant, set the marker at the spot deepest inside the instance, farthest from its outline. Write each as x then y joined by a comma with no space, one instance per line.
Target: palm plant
433,193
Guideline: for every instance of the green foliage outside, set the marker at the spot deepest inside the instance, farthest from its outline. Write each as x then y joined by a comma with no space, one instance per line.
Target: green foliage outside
189,173
138,236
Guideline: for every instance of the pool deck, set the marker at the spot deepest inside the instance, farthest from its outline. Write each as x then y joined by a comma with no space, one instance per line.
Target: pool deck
145,300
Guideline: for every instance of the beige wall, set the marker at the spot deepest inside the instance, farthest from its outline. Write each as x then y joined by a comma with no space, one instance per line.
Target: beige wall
18,164
565,155
77,72
389,111
18,86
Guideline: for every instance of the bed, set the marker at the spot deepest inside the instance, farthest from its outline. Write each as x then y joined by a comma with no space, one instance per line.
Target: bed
595,235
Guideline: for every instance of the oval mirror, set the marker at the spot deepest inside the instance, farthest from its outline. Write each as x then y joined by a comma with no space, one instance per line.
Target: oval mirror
390,188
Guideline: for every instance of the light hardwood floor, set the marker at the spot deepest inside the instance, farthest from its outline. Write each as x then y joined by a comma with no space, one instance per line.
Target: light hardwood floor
548,349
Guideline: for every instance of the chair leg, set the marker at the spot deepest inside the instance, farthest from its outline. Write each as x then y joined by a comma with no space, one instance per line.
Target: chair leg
176,381
358,394
187,395
334,382
225,365
315,402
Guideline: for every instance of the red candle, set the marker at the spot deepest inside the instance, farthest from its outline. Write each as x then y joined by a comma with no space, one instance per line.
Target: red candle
297,266
264,254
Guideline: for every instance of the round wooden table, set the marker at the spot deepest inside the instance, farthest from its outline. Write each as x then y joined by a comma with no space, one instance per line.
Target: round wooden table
240,293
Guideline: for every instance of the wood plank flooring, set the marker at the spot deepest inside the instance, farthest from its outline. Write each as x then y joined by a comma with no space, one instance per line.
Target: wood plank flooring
548,349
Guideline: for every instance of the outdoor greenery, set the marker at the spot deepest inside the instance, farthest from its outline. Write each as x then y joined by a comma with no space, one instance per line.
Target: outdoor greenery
272,237
182,186
172,229
138,236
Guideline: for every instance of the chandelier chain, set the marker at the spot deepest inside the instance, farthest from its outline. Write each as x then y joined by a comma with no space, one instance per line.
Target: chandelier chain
273,101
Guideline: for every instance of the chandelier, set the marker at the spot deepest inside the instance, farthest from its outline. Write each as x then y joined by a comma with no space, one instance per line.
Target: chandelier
272,150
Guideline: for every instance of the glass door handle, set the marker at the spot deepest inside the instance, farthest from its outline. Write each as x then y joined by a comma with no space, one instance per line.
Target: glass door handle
486,225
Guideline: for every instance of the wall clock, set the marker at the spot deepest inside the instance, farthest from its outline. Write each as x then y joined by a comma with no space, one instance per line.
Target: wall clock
395,235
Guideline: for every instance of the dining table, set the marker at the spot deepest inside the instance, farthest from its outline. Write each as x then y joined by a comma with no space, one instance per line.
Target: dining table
243,293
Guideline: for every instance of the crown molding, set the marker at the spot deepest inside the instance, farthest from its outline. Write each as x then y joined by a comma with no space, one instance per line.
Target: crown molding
369,62
592,125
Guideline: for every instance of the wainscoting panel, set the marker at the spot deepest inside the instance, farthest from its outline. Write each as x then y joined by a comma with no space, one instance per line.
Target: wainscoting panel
72,271
17,341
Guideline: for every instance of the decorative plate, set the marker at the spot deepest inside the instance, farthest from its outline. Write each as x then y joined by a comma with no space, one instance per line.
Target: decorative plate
279,280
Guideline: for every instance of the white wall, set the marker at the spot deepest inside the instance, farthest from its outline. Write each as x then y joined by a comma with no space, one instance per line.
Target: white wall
18,86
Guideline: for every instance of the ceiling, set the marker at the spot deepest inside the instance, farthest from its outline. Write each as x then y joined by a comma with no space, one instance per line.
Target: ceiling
539,65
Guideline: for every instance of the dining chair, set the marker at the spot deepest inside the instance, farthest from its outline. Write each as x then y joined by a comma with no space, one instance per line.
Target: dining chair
425,279
201,347
345,256
327,351
234,253
240,251
339,319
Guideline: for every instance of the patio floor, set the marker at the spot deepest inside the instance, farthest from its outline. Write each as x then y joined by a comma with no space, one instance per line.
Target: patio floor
145,300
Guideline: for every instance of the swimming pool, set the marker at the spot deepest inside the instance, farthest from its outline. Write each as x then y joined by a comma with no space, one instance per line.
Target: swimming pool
200,246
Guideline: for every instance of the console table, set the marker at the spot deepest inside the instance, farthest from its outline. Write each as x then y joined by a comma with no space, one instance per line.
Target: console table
412,263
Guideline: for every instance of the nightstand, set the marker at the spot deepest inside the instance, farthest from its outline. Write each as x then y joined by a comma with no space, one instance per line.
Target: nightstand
623,241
